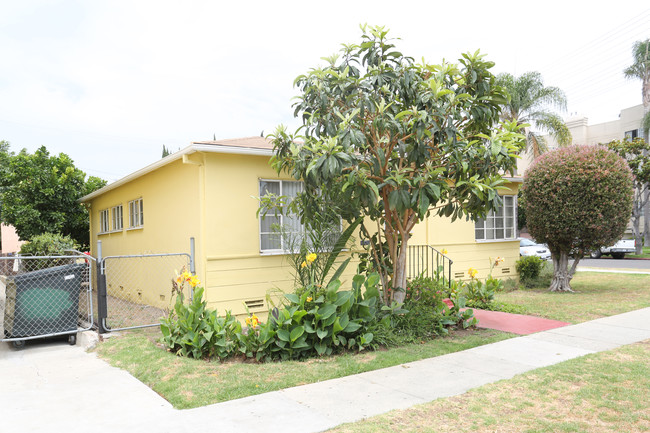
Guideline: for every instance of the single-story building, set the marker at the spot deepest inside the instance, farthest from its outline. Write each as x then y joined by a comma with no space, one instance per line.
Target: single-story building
209,191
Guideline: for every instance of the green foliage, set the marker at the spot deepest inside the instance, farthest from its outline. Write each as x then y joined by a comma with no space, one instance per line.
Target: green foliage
39,194
529,268
637,154
480,294
335,321
391,140
427,314
578,199
48,244
193,330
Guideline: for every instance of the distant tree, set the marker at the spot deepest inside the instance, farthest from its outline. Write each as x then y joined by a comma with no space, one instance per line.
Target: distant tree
394,141
637,154
577,199
640,69
39,194
529,105
165,151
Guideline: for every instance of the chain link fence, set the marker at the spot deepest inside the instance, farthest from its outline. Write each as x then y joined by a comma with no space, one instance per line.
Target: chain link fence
138,289
45,297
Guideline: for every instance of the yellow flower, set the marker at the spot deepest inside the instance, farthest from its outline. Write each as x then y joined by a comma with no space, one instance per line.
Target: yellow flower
248,321
254,321
303,265
311,257
472,272
498,261
309,299
194,281
444,252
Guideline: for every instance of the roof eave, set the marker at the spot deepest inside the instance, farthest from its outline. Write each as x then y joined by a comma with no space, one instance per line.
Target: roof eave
193,148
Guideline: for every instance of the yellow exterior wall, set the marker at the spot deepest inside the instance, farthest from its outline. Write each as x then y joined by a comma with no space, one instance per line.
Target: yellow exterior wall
170,197
458,239
237,272
213,198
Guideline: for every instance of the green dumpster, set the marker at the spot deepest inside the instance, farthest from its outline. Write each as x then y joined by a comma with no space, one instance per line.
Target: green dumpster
43,302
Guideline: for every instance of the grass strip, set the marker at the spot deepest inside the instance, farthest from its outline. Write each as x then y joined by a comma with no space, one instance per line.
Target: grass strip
188,383
595,295
603,392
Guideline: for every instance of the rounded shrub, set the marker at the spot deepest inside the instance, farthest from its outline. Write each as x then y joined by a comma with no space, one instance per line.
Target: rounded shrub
577,199
529,267
48,244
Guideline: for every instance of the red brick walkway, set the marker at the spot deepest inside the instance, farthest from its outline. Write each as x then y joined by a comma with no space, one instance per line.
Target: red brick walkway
515,323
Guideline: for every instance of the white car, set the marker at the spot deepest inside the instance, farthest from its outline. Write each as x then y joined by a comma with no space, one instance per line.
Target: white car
530,248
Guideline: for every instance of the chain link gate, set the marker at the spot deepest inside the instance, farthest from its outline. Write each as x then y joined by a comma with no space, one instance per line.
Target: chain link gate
45,297
134,291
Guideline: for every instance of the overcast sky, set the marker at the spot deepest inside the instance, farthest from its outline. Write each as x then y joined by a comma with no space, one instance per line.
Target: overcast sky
110,82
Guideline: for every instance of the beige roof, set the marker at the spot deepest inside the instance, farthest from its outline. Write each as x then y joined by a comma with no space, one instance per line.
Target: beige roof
250,142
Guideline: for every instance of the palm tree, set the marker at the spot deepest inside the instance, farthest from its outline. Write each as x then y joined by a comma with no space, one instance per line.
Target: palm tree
529,104
641,69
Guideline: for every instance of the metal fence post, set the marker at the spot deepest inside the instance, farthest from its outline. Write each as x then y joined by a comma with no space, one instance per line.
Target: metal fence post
102,308
192,264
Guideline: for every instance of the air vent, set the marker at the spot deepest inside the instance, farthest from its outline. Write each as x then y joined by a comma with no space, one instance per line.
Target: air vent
505,270
459,274
255,303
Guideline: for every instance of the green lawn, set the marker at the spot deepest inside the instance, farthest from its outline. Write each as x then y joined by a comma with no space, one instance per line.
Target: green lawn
595,295
603,392
188,383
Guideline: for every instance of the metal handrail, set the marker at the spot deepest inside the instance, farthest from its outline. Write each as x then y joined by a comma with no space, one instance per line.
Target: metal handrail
428,261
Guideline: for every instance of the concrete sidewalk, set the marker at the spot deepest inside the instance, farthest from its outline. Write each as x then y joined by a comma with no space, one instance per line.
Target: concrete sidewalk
55,387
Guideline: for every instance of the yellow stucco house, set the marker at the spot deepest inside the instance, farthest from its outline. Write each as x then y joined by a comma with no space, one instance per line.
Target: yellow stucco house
208,191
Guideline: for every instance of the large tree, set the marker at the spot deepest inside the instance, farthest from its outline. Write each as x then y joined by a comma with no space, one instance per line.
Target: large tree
640,69
39,194
392,140
637,154
577,199
530,104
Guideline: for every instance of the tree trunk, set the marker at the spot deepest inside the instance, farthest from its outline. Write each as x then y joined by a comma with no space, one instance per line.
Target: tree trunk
562,275
645,93
636,223
646,220
399,279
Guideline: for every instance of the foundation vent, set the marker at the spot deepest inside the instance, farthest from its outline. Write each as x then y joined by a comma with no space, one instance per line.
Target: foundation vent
459,274
255,303
505,270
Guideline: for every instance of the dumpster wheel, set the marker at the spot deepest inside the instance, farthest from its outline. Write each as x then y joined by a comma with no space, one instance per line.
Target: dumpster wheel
18,344
72,340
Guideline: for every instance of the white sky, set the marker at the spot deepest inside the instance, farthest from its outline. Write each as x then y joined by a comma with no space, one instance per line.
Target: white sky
110,82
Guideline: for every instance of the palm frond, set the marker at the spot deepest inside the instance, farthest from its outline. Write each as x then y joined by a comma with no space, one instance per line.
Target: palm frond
555,126
535,143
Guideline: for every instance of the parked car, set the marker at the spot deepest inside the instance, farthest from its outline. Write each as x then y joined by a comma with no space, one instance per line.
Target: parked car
617,251
530,248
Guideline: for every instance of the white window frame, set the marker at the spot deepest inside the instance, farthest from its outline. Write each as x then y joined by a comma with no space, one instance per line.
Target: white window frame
117,218
104,221
500,227
136,214
282,249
